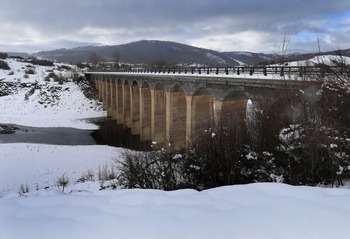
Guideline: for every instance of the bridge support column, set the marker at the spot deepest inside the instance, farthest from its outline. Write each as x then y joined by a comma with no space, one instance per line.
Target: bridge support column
104,95
158,117
109,99
200,115
114,100
135,109
120,106
126,106
176,119
96,84
145,114
99,88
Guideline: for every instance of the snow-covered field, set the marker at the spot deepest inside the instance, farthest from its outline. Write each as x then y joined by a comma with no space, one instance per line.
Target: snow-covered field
261,210
241,211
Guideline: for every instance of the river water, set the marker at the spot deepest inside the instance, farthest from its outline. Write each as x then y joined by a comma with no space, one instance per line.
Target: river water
109,133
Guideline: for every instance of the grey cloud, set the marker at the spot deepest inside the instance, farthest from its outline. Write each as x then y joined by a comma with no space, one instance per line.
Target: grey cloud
186,20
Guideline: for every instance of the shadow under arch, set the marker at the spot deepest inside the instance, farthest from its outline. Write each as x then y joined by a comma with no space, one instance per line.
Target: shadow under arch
234,104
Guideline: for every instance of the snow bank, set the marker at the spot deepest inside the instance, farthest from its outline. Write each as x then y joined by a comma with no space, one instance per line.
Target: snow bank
39,165
245,211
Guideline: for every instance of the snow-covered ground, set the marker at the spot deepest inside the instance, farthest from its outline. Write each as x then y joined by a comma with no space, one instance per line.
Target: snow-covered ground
262,210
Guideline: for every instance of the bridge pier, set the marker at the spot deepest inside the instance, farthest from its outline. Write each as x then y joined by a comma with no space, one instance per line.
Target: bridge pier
158,116
176,110
145,114
135,109
104,95
114,100
109,98
120,106
126,106
200,115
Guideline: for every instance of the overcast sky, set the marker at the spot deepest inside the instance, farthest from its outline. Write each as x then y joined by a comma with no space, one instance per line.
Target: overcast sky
224,25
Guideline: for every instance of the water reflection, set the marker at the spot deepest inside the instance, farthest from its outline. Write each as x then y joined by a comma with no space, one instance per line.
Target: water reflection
109,133
61,136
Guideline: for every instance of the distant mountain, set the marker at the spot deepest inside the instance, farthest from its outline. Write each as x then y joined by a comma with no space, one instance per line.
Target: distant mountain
147,51
143,52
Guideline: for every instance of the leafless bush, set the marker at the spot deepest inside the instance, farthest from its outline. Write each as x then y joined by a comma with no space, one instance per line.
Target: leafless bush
23,189
62,181
87,176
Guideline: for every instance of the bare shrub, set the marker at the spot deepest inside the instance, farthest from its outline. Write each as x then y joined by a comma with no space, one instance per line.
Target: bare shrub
23,189
30,71
156,169
62,182
87,176
4,65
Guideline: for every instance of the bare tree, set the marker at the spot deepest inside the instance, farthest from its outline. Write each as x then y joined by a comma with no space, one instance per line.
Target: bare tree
116,56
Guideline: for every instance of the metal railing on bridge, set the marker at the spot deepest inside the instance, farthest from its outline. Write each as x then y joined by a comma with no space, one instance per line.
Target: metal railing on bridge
251,70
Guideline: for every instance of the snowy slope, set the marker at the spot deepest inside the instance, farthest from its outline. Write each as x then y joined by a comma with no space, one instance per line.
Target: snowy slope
323,59
50,105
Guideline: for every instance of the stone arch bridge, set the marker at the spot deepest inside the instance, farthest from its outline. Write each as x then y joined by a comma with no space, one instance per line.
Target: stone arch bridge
172,109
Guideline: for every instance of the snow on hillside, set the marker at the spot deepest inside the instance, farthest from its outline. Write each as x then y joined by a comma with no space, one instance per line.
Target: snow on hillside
262,210
40,103
324,59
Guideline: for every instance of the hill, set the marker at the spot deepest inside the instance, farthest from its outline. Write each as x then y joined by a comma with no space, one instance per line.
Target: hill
148,51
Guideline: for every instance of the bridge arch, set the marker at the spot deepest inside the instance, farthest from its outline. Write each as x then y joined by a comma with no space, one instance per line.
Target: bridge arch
145,84
159,86
233,105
